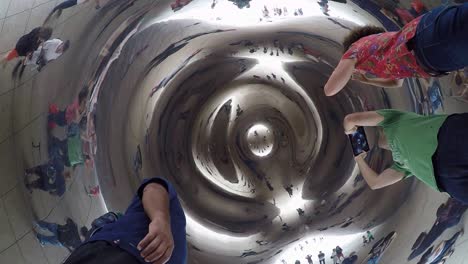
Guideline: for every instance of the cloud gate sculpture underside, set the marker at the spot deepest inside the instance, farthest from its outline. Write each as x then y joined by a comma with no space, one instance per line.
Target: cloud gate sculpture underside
225,99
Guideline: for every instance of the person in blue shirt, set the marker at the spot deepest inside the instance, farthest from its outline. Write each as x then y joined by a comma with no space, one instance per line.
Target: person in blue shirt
152,230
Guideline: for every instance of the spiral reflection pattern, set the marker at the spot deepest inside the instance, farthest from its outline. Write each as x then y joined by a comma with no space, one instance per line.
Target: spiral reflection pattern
225,99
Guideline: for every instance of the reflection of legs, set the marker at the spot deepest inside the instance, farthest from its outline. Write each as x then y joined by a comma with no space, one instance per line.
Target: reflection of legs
51,227
57,147
60,7
65,5
448,248
48,240
432,235
39,182
38,170
451,241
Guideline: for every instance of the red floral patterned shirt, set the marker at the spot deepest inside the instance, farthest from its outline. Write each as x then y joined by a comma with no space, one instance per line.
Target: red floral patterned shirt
386,55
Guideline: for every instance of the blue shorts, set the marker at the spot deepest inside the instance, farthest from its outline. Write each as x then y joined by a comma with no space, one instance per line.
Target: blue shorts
441,40
450,161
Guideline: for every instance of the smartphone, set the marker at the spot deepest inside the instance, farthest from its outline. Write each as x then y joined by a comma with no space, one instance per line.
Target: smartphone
359,141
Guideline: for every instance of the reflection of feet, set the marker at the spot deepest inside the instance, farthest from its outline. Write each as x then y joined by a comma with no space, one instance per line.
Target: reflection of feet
450,253
40,241
38,227
97,7
26,182
462,231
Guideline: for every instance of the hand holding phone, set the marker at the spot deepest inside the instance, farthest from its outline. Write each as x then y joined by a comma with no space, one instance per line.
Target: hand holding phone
359,141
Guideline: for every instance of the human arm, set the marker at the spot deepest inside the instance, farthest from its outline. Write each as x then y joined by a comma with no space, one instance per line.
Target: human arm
339,77
375,180
352,121
157,246
78,114
386,83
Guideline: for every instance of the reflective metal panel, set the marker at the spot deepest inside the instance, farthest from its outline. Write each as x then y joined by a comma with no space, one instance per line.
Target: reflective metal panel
225,99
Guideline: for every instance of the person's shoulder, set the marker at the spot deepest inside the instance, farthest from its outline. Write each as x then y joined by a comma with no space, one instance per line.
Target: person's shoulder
51,42
394,114
161,181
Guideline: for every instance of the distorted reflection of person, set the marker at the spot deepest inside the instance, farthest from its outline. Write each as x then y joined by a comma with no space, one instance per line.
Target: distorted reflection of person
352,259
416,9
27,44
321,257
54,234
431,148
67,4
370,237
339,252
440,253
430,45
335,258
70,149
179,4
364,241
49,50
241,3
151,230
73,113
449,214
51,177
324,5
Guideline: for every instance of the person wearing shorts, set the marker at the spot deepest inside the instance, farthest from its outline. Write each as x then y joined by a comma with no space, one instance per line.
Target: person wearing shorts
431,148
431,45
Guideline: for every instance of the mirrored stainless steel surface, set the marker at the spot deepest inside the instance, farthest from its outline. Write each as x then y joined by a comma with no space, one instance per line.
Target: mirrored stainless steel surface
224,99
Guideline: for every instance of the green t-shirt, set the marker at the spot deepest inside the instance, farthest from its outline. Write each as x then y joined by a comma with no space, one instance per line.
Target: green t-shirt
75,151
413,140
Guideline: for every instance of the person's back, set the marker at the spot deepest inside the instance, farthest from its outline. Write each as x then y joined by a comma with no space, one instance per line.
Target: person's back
412,138
28,43
75,150
381,55
339,250
50,48
31,41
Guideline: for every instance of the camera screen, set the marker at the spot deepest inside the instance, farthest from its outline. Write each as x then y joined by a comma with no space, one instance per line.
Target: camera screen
359,141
